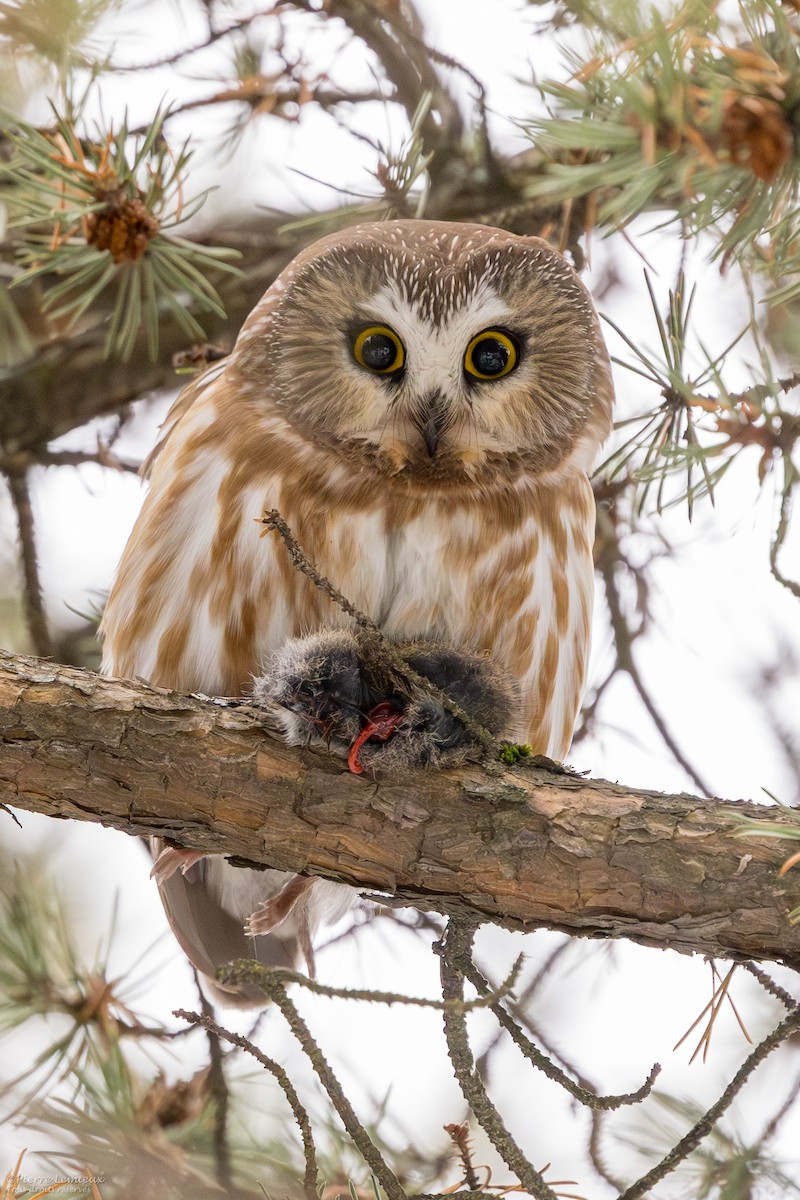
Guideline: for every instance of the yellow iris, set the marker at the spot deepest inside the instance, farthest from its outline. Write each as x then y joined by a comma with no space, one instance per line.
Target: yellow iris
490,355
379,349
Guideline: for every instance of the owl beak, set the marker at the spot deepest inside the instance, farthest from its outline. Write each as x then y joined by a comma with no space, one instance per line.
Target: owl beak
431,421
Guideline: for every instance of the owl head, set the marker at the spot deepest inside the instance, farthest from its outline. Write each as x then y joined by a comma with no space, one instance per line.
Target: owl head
433,351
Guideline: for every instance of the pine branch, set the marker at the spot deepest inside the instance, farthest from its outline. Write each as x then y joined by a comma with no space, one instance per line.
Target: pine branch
787,1028
276,1070
69,381
455,945
526,848
355,1130
625,661
511,1022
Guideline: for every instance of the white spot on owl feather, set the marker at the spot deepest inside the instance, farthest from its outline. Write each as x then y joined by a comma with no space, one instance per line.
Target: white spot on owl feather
419,597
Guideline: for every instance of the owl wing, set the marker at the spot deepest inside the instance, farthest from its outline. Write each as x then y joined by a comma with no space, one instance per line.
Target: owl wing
179,407
197,603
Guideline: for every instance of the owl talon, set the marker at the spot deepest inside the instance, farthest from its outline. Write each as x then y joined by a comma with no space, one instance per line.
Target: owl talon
172,859
272,912
382,723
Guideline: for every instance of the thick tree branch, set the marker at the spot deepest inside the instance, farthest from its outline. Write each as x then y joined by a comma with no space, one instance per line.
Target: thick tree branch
529,847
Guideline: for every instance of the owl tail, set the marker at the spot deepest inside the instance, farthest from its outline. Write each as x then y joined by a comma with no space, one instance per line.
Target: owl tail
211,937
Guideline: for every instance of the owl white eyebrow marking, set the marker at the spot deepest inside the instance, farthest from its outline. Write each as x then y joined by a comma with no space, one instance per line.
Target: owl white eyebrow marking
439,317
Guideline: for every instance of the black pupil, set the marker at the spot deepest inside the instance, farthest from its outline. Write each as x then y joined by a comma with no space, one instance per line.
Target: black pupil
490,356
378,352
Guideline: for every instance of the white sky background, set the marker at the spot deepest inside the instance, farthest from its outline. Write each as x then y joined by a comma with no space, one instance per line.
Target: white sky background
717,615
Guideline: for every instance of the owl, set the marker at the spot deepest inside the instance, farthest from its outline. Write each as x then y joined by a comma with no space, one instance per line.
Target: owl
422,402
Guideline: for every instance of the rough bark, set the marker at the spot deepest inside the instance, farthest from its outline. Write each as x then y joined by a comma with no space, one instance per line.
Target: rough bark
529,847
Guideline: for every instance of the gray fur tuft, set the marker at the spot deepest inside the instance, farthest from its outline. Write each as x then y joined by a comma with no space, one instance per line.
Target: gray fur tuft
324,692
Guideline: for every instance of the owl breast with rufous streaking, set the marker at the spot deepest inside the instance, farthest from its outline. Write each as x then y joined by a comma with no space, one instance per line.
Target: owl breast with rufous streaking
422,402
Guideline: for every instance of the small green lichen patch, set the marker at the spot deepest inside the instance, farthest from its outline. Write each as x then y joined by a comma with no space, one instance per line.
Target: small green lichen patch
512,752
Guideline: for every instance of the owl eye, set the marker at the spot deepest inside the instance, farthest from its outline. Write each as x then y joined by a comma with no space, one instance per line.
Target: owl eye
491,355
379,349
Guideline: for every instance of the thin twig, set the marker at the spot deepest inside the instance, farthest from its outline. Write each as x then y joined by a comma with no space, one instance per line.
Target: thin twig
102,457
589,1098
411,920
627,663
522,1001
356,1131
520,1011
170,59
491,164
768,983
219,1090
247,970
701,1129
392,33
376,640
595,1151
285,1083
456,944
771,1128
459,1135
273,520
32,589
589,711
790,480
325,98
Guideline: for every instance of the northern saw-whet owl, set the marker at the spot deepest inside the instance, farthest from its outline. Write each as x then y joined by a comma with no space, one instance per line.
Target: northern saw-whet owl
422,402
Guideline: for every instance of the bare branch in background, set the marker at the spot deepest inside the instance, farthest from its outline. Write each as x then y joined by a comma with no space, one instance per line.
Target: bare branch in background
455,946
791,478
607,563
215,35
216,1031
356,1131
35,615
218,1089
101,457
385,29
786,1029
